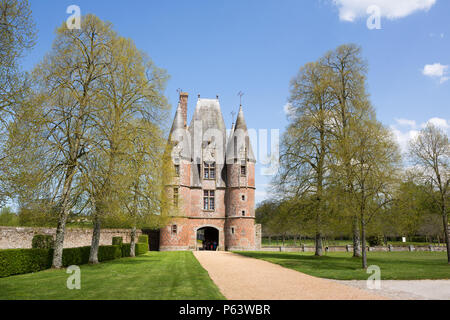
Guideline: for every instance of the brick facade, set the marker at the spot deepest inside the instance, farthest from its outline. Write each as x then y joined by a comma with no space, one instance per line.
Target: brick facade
233,182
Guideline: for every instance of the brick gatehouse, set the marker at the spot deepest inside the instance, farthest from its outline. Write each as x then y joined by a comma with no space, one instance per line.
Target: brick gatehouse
214,187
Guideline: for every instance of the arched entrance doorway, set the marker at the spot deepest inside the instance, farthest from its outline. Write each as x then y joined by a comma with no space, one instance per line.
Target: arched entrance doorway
208,239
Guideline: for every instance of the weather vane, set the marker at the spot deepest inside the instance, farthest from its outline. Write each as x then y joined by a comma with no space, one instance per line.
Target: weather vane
240,94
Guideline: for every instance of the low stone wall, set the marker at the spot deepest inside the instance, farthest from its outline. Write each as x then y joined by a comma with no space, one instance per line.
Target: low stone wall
350,249
20,238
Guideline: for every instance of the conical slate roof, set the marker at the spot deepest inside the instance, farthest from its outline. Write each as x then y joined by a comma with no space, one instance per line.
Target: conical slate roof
241,136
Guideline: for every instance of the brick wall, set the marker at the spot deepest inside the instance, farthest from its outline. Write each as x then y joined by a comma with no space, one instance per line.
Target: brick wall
16,237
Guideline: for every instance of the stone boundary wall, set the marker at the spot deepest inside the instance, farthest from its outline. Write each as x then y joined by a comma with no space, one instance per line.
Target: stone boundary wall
350,249
20,237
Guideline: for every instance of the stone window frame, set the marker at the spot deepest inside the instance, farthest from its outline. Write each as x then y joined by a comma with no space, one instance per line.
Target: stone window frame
244,213
174,229
243,197
209,170
209,200
243,171
176,196
177,170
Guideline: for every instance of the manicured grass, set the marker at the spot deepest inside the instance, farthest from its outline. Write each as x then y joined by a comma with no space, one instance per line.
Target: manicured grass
153,276
342,266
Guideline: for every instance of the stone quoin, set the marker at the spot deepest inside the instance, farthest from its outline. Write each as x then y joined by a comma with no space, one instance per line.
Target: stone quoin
214,188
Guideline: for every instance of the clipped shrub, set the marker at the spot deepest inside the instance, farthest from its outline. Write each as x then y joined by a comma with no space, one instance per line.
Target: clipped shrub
117,241
106,253
76,256
141,248
143,239
20,261
126,247
42,241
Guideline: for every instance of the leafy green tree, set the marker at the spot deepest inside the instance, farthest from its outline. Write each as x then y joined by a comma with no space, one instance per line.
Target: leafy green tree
8,218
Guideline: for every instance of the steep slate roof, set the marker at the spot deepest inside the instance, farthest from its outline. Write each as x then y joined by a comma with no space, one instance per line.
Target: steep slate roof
208,112
241,127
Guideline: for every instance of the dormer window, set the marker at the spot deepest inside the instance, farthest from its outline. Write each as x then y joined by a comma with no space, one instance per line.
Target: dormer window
209,170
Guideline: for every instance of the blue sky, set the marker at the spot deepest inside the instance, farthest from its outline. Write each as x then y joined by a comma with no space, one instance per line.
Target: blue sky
222,47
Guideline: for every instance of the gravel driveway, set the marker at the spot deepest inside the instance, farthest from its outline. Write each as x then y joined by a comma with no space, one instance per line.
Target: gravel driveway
409,289
243,278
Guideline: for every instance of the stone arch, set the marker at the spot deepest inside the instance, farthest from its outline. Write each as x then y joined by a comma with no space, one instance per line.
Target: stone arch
211,234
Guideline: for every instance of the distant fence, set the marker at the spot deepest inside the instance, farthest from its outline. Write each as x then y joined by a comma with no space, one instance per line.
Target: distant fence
349,248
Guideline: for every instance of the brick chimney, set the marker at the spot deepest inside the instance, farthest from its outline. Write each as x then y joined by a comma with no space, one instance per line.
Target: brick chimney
183,102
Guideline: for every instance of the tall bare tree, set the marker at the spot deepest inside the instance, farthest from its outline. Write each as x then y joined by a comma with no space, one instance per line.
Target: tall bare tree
374,167
67,82
430,153
305,147
17,36
346,77
131,88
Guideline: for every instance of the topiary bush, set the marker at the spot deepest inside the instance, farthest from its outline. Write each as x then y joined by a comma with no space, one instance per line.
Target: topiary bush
106,253
141,248
143,239
42,241
117,241
76,256
20,261
126,247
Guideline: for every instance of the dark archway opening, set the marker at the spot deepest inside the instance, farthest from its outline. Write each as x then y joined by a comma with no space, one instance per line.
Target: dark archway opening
208,239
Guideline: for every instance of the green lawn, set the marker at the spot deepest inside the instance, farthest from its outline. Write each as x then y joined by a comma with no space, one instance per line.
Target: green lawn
153,276
341,266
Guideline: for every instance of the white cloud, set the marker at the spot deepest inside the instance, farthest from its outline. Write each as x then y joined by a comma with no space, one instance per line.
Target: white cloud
436,70
404,130
288,109
406,123
438,122
350,10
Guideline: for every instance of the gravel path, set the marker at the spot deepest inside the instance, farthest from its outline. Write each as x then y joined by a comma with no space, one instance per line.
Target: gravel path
409,289
243,278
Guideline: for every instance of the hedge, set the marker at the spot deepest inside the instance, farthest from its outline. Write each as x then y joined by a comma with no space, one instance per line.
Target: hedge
20,261
41,241
141,248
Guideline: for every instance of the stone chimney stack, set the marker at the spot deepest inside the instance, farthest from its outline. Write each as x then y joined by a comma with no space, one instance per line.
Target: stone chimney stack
183,102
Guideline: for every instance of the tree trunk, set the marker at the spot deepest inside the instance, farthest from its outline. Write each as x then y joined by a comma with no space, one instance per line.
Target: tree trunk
446,235
363,240
133,242
319,245
57,262
93,256
59,242
356,240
